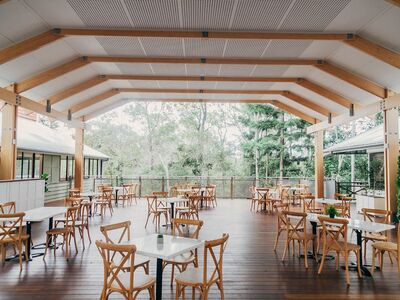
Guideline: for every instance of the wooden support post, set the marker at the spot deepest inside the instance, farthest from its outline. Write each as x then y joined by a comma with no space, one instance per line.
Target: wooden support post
79,159
319,163
391,153
8,154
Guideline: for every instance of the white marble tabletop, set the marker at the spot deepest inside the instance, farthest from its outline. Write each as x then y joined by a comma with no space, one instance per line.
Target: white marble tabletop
90,194
328,201
358,224
172,200
183,190
41,213
166,248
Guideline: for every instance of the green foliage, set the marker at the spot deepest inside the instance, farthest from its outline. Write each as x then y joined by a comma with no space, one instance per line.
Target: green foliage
45,177
331,211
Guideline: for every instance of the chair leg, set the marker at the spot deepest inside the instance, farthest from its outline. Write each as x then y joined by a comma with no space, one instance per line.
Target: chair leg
365,250
221,289
321,265
381,260
147,220
358,264
337,260
373,261
46,246
277,238
286,248
305,253
172,274
346,261
20,254
88,233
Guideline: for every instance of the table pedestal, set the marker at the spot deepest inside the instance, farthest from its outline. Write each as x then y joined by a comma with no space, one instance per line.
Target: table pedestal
159,279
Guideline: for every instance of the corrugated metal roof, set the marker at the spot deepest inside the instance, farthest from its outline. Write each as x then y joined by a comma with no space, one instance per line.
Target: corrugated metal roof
33,136
369,141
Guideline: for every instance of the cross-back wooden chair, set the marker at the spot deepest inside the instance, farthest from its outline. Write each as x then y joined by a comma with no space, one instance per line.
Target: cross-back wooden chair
184,228
82,222
67,231
11,233
210,195
336,240
192,210
272,199
202,279
308,201
153,210
74,192
260,196
117,233
380,247
116,278
339,196
104,201
132,193
8,207
281,226
72,201
377,216
296,228
196,190
285,194
124,195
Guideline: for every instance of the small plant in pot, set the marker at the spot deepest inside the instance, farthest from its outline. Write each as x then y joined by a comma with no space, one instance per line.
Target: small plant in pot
331,211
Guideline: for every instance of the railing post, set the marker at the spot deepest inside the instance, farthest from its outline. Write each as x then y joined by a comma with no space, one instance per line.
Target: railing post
162,184
208,180
231,187
140,186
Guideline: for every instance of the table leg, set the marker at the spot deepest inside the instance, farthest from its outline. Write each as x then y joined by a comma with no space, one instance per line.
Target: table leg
159,279
91,203
353,266
116,197
172,213
29,233
201,200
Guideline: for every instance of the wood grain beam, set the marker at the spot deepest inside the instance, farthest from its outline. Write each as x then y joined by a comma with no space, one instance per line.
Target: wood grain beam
50,74
353,79
76,89
183,60
294,112
93,100
227,101
197,91
324,92
28,45
305,102
203,34
394,2
373,49
15,99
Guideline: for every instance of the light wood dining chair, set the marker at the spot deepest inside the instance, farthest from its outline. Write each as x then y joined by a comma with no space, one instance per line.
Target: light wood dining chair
154,211
296,228
124,196
67,231
184,228
202,279
104,201
281,226
379,248
82,222
192,209
336,240
116,233
11,233
377,216
116,278
133,193
210,196
308,201
74,192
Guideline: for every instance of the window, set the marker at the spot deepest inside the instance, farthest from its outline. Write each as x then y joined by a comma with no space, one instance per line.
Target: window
28,165
51,166
37,165
18,172
86,167
71,167
63,168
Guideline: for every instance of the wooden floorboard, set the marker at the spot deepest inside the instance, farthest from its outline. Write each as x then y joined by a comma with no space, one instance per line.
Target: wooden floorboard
252,270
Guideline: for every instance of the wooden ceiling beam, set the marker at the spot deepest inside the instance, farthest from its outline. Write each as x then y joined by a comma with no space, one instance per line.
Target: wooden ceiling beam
50,74
353,79
373,49
28,45
394,2
197,91
305,102
324,92
295,112
64,94
93,100
204,34
15,99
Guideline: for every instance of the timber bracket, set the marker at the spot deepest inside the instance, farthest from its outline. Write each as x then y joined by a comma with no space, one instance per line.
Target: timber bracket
17,100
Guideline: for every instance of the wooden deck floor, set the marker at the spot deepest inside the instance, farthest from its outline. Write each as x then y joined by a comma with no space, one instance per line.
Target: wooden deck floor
252,270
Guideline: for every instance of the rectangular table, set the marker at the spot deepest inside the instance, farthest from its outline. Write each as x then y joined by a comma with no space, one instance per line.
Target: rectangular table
164,248
172,201
328,201
358,226
38,215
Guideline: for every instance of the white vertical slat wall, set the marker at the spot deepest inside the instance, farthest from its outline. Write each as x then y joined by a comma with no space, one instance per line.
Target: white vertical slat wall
27,194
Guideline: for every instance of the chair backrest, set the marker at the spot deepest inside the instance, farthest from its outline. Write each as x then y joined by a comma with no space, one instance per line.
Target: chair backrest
122,230
160,194
106,193
339,196
296,224
84,212
8,207
74,192
196,190
71,215
215,250
261,192
332,237
114,267
377,216
193,202
125,189
132,188
282,219
309,202
151,203
210,191
72,201
191,228
11,230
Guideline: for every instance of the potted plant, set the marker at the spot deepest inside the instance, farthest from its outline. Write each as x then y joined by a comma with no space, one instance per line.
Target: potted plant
45,177
331,211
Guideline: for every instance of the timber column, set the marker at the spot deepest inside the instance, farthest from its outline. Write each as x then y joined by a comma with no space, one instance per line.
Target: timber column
8,154
79,141
319,163
391,153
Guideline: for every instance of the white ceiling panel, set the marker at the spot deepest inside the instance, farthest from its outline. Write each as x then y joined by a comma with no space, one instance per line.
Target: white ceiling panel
55,13
120,84
204,48
163,46
266,70
286,48
297,71
257,85
245,48
229,85
384,74
202,85
18,22
138,69
207,14
109,107
106,68
97,106
169,69
301,108
144,84
101,13
87,45
320,49
153,14
350,58
266,15
54,54
4,42
236,70
311,15
172,84
121,46
202,70
20,68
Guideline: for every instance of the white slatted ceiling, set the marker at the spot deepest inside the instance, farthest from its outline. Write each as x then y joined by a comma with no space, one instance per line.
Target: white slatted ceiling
98,106
202,70
285,49
121,46
257,85
236,70
169,69
163,46
245,48
144,84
